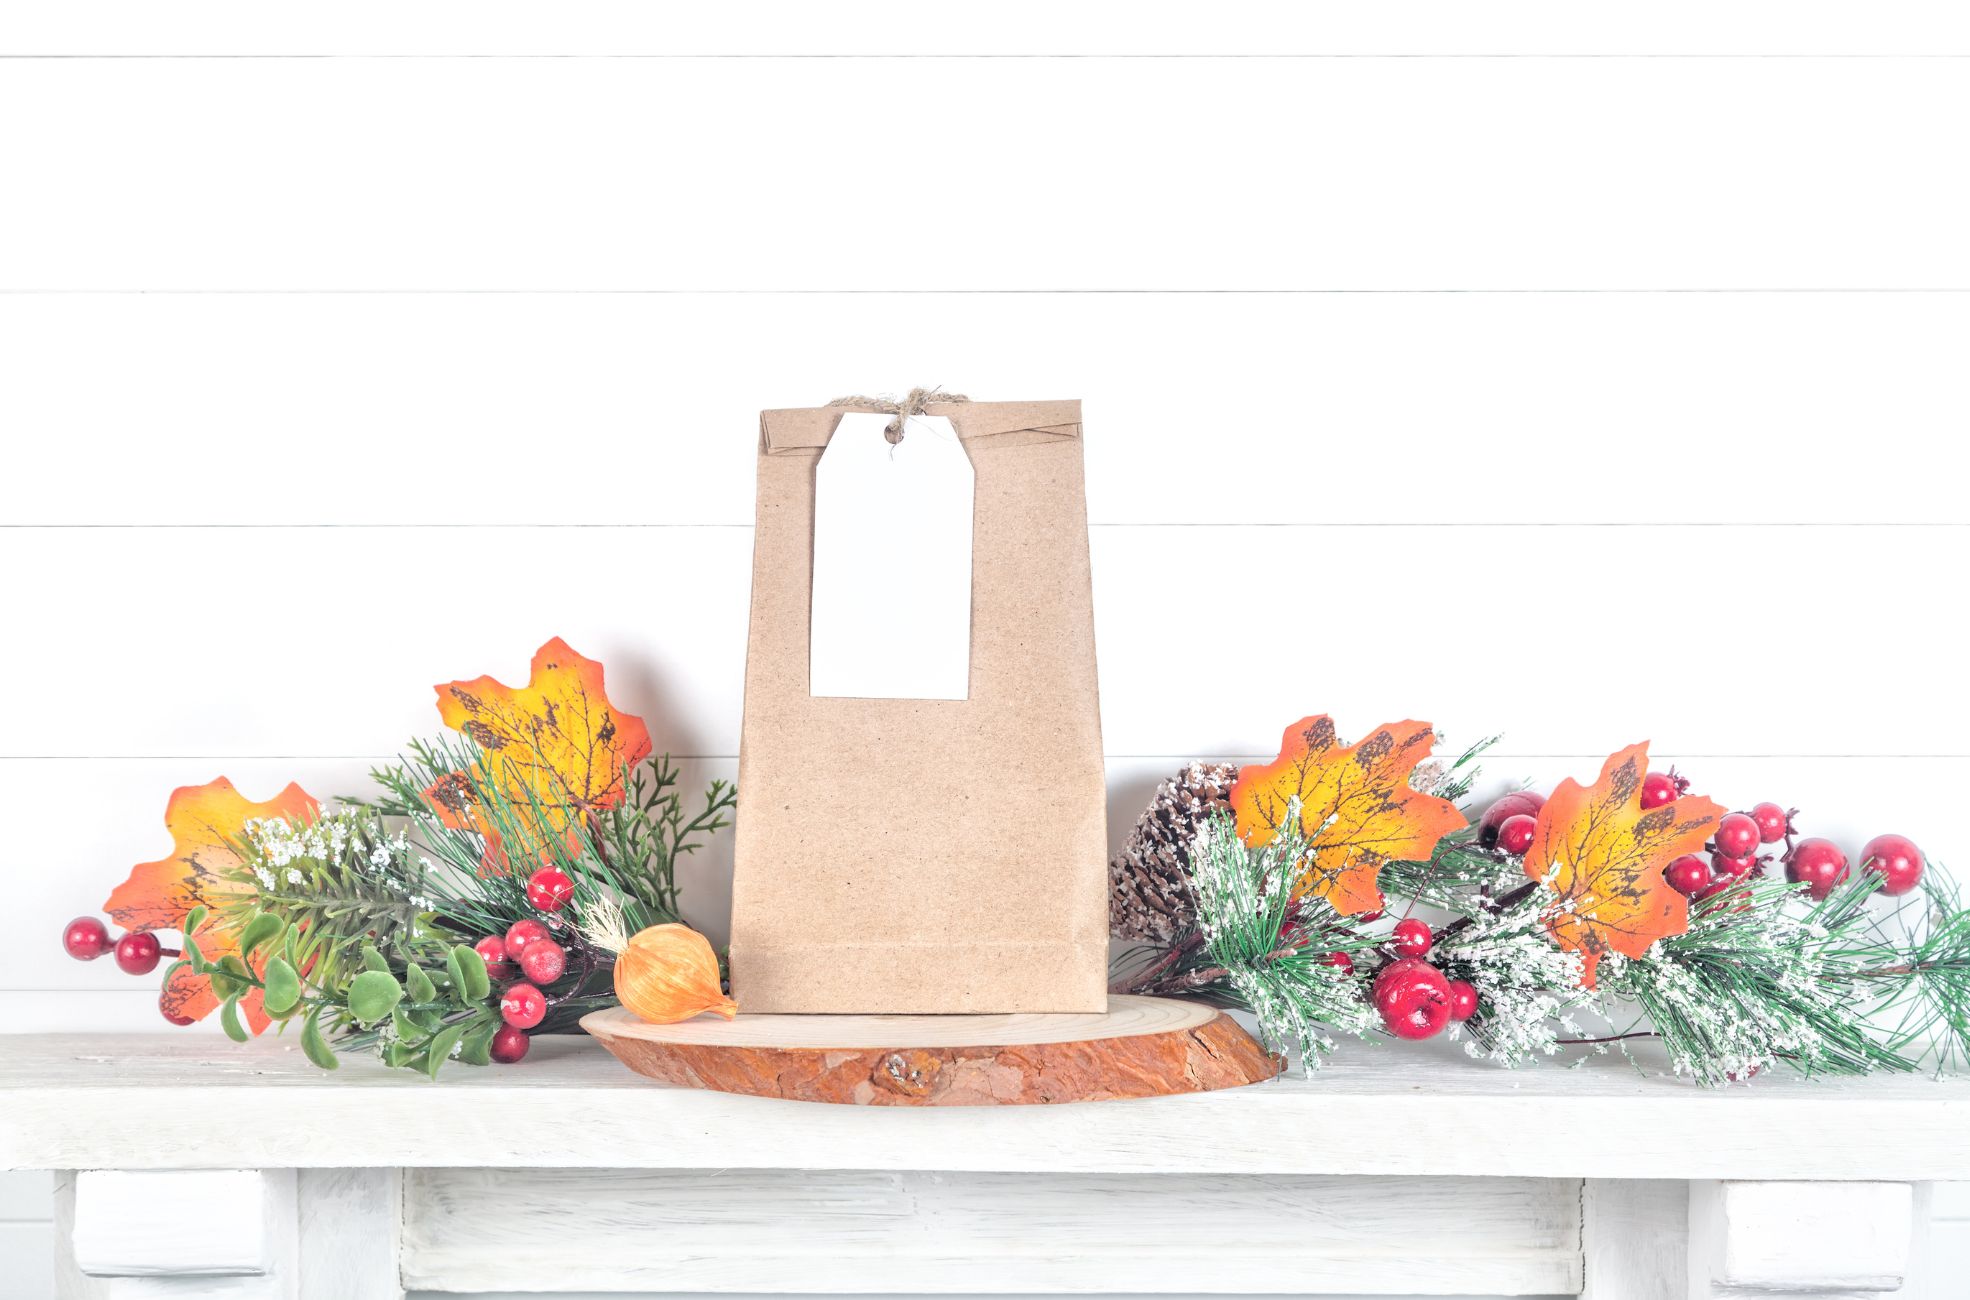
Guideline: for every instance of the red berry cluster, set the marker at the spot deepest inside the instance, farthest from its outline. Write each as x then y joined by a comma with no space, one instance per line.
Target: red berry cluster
1414,998
1732,853
1818,864
528,949
137,953
1509,824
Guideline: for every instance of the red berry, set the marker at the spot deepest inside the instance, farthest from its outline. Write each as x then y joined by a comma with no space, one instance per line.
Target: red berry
1735,868
1516,832
544,961
1369,918
1772,822
1687,874
164,1009
1463,1000
492,951
509,1044
522,1006
1413,998
1659,788
549,889
1518,803
1817,864
1411,937
1743,1076
1340,961
138,952
86,938
522,933
1896,860
1737,835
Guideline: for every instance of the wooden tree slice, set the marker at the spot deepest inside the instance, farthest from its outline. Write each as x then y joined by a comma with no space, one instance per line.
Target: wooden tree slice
1139,1047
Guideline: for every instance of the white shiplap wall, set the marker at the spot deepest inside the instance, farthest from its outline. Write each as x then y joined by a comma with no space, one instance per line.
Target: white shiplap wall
1608,393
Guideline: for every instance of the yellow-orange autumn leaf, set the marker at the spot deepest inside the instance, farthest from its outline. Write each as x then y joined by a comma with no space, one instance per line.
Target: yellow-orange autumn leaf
1601,854
1356,806
205,821
555,744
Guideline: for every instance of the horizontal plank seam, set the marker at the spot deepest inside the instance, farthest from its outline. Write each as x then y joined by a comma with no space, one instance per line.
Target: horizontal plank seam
1377,523
1030,291
1277,56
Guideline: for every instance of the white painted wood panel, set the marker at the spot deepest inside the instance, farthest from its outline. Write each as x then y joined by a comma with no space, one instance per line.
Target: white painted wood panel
1150,27
349,1222
162,1223
619,1295
86,821
24,1197
941,1233
29,1252
203,642
1831,1240
1633,1239
1061,174
1201,408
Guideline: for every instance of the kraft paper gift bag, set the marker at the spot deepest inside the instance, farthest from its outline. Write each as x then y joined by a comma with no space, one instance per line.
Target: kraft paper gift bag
928,855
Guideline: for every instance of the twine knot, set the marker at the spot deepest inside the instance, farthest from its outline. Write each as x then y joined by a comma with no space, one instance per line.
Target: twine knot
911,405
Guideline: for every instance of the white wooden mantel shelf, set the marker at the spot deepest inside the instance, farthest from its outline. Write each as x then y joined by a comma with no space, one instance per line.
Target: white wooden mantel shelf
569,1173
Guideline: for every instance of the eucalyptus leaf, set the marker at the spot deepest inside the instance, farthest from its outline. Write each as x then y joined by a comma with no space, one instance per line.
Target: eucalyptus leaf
477,1049
283,987
263,926
374,960
440,1049
230,978
420,985
229,1020
195,918
315,1046
373,995
398,1055
408,1030
469,973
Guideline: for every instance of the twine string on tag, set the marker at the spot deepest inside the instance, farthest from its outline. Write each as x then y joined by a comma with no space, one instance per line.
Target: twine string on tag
911,405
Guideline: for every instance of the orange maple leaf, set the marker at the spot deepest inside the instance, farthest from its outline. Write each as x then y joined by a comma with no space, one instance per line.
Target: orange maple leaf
1356,807
556,745
205,822
1602,856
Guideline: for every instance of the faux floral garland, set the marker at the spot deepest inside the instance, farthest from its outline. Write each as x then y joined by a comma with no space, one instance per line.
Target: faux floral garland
509,878
1582,922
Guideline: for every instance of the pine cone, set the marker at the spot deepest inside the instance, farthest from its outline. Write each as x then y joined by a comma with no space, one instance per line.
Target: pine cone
1149,896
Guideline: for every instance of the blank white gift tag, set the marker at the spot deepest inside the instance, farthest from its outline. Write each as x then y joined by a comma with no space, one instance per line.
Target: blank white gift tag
891,608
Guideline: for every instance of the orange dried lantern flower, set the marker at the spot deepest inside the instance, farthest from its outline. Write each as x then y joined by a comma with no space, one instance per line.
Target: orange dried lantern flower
665,973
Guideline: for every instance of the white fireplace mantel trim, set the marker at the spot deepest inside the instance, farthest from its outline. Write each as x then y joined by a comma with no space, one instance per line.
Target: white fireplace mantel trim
569,1173
192,1102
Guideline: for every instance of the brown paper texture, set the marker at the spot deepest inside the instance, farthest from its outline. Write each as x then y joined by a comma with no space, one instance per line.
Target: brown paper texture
929,856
